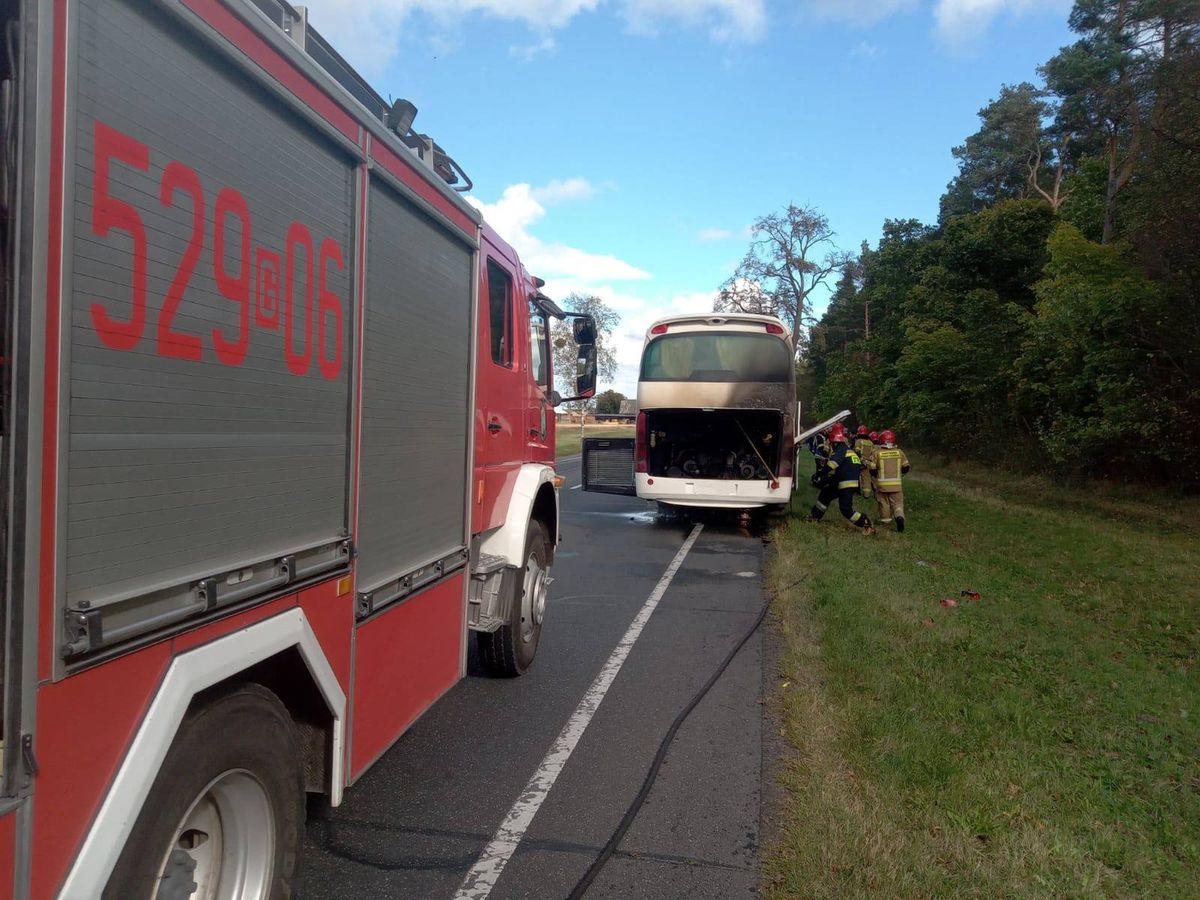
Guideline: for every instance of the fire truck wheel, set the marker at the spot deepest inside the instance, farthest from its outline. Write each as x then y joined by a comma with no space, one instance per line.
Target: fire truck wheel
224,817
509,651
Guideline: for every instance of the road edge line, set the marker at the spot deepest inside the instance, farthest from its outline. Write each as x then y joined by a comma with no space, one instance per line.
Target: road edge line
483,876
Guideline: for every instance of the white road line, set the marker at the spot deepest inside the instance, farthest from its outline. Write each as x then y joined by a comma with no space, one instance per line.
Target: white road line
574,487
486,871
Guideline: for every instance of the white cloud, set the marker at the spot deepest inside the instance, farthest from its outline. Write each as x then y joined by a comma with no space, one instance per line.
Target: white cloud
368,33
864,49
561,191
858,12
715,234
522,206
558,261
530,52
956,22
727,20
961,22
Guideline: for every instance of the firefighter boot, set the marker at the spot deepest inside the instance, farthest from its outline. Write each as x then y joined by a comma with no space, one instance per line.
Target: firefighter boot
817,512
867,527
899,523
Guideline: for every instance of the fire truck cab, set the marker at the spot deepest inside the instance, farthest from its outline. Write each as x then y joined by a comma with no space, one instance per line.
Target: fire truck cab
277,435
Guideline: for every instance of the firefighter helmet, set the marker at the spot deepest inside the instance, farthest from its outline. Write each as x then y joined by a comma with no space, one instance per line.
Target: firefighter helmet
874,436
888,437
837,434
863,431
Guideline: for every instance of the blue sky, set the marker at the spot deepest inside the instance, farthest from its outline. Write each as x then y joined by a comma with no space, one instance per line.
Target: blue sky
624,146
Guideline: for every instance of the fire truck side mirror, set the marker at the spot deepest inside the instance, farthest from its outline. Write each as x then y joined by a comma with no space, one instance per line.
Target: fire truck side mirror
585,381
584,331
585,376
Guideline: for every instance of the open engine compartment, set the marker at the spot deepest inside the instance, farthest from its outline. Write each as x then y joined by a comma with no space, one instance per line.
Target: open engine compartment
723,444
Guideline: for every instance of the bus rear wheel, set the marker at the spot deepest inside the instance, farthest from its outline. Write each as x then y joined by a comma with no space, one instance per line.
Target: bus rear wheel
223,819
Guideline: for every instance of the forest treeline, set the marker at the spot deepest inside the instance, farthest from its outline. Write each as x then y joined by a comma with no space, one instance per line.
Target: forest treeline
1051,317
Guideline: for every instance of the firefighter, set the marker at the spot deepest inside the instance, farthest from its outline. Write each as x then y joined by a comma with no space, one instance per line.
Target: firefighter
888,464
864,446
839,480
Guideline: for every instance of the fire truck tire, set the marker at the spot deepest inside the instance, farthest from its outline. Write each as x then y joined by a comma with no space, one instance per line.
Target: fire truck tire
509,650
232,780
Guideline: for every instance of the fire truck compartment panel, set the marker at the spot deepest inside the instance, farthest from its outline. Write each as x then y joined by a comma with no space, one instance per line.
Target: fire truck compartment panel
405,658
178,463
416,380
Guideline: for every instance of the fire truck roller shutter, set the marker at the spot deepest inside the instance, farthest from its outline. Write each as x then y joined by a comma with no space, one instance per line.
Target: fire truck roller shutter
208,423
416,377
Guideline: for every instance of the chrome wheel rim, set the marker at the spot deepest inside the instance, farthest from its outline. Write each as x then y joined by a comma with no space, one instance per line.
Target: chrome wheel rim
533,598
225,843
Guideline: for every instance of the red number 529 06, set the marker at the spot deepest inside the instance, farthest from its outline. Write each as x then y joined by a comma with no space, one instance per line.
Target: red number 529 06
320,308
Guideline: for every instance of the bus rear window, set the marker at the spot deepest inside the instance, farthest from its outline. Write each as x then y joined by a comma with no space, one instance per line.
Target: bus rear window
721,356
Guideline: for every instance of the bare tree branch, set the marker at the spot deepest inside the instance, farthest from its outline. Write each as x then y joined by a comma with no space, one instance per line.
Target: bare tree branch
782,268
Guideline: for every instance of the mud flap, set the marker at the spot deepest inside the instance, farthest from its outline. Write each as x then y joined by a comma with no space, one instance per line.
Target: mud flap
608,466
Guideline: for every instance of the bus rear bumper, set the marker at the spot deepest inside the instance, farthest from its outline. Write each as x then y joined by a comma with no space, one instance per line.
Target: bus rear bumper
713,493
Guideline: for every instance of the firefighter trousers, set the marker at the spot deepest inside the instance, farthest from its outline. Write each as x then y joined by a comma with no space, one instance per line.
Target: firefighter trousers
845,499
891,505
865,482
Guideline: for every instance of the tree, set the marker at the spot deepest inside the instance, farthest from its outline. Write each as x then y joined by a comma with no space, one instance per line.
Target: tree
1056,306
1161,205
1089,363
848,368
1013,155
964,318
1114,81
609,402
790,255
995,162
566,351
932,399
1084,208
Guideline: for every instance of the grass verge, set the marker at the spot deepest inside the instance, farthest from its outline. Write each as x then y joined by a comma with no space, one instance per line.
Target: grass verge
568,441
1043,741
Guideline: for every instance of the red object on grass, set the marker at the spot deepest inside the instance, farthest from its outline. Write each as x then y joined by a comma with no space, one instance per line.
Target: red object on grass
949,601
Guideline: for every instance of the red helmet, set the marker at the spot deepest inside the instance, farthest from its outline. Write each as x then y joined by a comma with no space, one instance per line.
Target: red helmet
837,434
888,437
874,436
862,431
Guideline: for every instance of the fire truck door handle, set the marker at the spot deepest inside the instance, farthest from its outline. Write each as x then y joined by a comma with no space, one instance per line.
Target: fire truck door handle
495,427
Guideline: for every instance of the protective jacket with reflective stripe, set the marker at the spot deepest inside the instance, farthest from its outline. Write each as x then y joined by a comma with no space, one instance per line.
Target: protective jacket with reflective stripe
889,464
844,466
865,448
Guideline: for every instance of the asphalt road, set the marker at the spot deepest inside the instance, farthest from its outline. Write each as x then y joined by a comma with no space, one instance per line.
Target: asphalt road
417,822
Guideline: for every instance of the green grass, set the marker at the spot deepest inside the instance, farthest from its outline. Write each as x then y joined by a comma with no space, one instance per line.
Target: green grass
568,441
1044,741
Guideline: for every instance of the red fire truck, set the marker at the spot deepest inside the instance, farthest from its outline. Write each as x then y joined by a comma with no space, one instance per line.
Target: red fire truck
277,433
